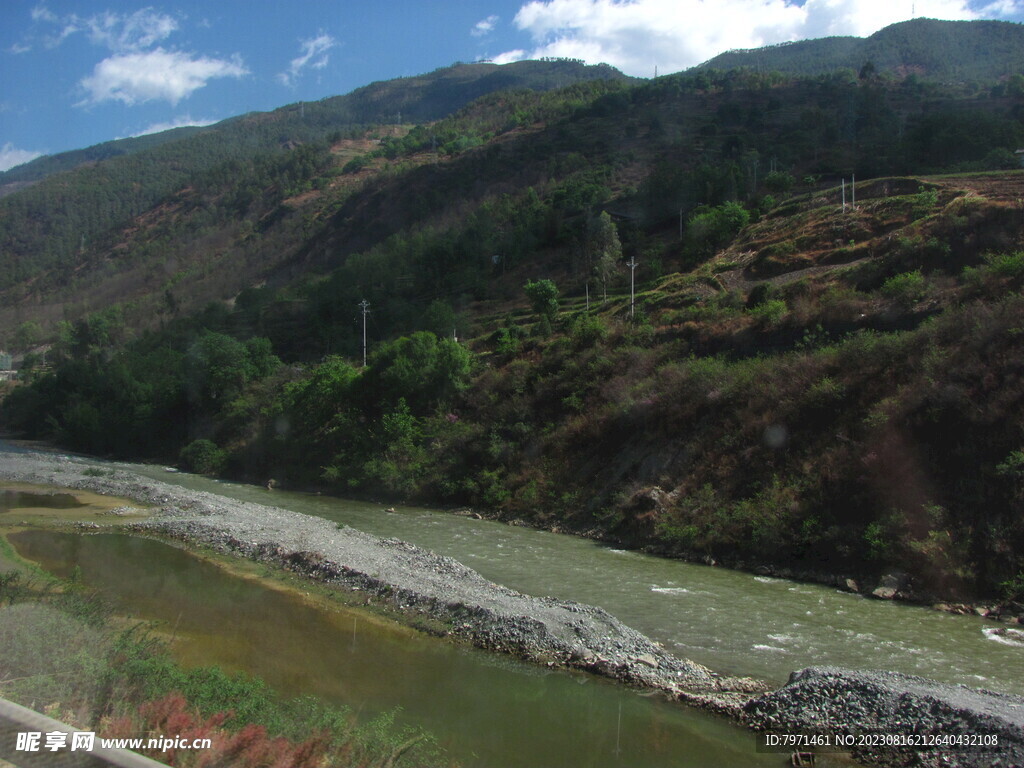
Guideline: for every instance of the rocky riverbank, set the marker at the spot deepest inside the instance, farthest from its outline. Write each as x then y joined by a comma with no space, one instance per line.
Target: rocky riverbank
883,712
413,581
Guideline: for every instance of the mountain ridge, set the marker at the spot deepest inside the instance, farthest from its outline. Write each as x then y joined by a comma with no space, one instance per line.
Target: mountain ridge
936,49
425,97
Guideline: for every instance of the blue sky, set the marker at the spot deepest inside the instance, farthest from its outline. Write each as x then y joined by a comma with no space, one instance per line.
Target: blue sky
78,72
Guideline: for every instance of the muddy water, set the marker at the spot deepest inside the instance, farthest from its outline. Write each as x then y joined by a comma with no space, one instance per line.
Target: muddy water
21,500
486,710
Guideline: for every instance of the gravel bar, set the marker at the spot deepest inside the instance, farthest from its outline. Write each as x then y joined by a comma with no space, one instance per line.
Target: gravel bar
412,581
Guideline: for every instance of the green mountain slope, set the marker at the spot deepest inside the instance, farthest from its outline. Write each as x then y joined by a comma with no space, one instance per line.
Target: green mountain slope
54,223
35,170
984,51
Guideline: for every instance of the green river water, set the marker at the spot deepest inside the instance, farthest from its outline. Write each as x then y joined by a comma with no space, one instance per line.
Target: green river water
492,711
733,622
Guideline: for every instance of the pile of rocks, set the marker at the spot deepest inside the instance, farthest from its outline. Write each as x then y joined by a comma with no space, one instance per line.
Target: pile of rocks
892,716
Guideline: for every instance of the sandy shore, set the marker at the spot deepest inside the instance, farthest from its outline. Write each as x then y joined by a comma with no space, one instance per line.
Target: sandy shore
412,580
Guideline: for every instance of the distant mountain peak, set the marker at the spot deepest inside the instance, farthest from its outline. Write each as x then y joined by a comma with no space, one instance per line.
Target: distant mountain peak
983,51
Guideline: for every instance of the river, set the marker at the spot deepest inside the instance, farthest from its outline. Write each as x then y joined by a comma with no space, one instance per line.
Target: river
733,622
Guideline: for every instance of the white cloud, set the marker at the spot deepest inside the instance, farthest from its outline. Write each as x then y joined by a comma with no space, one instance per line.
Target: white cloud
10,156
42,13
313,55
509,56
178,122
134,32
134,78
636,35
484,27
120,32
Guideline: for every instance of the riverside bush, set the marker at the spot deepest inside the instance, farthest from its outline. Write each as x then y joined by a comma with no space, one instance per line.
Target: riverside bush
203,457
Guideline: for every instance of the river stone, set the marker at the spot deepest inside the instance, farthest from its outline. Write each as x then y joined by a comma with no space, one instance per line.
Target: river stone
834,700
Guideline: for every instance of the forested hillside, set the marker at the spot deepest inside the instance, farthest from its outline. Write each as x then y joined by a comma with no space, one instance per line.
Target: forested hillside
649,312
974,52
23,175
67,220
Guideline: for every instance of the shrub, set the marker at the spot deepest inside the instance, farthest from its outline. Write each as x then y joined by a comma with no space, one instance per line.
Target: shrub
711,228
924,201
769,312
1013,589
878,540
779,181
202,456
825,392
587,330
758,295
543,295
1006,264
907,288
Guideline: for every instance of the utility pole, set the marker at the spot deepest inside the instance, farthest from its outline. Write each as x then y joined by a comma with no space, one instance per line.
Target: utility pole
632,264
364,305
844,195
853,191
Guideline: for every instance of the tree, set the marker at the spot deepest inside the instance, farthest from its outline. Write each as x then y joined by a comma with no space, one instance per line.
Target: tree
422,369
440,318
605,269
711,228
779,181
27,335
217,367
543,295
607,249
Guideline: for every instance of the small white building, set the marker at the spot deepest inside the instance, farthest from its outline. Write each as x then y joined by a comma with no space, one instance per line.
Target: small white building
7,372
